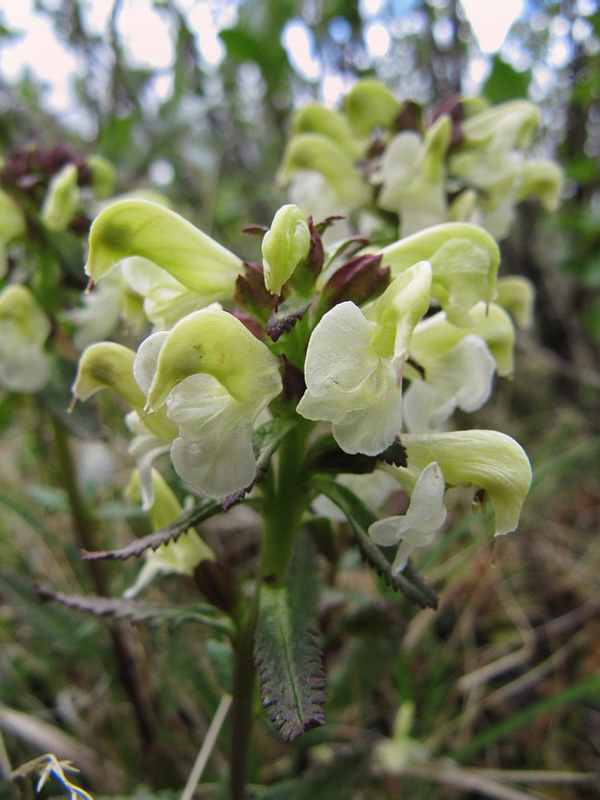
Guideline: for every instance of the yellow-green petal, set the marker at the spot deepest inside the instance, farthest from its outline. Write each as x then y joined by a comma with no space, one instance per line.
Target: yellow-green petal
140,228
488,459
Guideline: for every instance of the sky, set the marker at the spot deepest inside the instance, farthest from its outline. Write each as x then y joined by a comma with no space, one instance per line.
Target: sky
145,34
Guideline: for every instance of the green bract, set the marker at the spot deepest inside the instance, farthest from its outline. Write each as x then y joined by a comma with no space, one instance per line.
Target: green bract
62,199
284,246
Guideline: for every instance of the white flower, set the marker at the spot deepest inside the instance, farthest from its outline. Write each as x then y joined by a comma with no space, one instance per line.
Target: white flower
216,378
354,363
350,384
461,377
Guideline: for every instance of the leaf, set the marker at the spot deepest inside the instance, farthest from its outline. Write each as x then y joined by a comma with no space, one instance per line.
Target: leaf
171,532
409,582
289,664
505,82
136,611
283,321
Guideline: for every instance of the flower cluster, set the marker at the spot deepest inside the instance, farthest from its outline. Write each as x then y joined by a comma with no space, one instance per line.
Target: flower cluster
347,339
460,161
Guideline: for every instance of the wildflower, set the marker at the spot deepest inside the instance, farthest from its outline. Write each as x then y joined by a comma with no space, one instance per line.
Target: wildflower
215,378
491,462
181,556
413,177
354,363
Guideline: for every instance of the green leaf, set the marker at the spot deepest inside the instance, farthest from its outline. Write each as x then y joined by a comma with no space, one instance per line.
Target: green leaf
505,83
289,663
409,582
171,532
137,611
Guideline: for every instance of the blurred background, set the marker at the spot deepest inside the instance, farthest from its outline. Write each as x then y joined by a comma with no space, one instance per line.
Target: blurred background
195,99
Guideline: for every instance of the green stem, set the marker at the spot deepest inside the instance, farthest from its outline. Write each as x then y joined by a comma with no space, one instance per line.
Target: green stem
285,503
284,498
244,678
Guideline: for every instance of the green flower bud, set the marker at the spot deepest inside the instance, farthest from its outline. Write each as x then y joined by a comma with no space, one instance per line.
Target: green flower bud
103,175
12,223
284,246
62,199
370,104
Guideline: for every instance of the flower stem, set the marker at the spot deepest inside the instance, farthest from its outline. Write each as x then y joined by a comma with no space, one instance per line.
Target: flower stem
285,503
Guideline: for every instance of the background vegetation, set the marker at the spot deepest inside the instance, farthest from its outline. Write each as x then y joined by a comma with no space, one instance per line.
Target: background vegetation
505,677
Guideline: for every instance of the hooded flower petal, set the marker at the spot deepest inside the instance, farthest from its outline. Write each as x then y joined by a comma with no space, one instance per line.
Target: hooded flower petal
140,228
214,342
216,378
486,459
435,335
425,516
464,260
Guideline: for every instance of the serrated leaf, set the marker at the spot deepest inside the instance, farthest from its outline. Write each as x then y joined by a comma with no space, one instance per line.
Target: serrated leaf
171,532
289,664
409,582
136,611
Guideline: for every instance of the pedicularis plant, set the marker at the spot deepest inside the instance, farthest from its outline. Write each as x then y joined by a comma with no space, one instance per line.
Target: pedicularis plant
322,380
